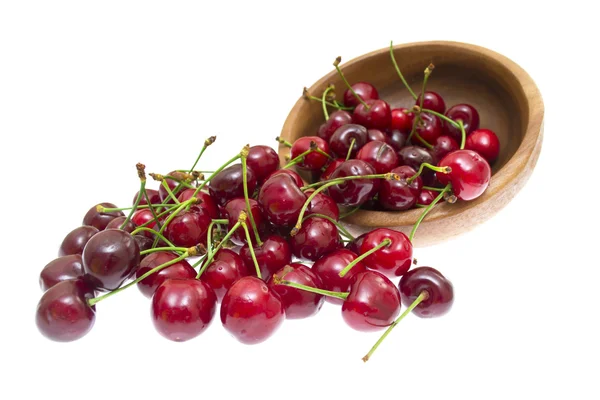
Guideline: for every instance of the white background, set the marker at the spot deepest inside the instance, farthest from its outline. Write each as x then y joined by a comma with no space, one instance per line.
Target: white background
87,89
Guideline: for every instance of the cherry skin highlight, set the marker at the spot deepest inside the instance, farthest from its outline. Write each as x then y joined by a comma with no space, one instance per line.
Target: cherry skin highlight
140,217
394,259
226,268
274,254
426,197
364,90
328,267
263,160
400,195
75,241
180,270
316,237
356,191
485,142
346,136
397,139
440,293
281,200
98,219
376,116
291,173
228,184
469,117
402,120
61,269
336,119
470,174
443,146
322,204
430,129
298,303
380,155
432,101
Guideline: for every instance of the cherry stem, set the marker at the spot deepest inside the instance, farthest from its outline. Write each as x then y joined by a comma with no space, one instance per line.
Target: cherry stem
209,233
433,189
385,242
399,72
225,239
179,182
299,158
335,104
142,175
192,200
199,188
283,141
350,149
463,134
330,293
419,120
154,232
444,170
324,101
251,248
441,116
172,248
244,155
151,207
168,189
423,141
347,214
156,217
207,143
387,176
342,230
336,64
139,207
423,296
413,131
426,211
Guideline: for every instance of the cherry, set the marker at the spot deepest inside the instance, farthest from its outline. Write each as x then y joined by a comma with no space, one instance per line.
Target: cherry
432,101
375,115
396,139
61,269
336,119
228,184
117,222
280,200
180,270
414,156
189,227
232,212
314,160
354,245
298,303
140,217
183,308
353,192
250,311
426,197
99,219
76,240
467,114
440,293
263,160
162,192
380,155
144,242
364,90
315,238
109,258
328,267
274,254
442,146
393,259
63,313
347,136
206,202
292,174
485,142
376,134
226,268
470,174
322,204
333,165
402,120
430,128
373,302
153,195
400,195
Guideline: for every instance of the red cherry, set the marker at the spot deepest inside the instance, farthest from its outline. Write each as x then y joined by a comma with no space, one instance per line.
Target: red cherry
292,174
61,269
400,195
364,90
401,120
442,146
228,184
470,174
373,302
376,115
183,308
426,197
345,136
140,217
232,212
117,222
180,270
322,204
394,259
485,142
380,155
414,156
333,165
281,200
250,311
376,134
312,161
298,303
432,101
76,240
353,192
440,293
328,267
226,268
263,160
99,219
429,129
153,195
396,139
316,237
63,313
274,254
467,114
188,228
144,242
336,119
206,202
354,245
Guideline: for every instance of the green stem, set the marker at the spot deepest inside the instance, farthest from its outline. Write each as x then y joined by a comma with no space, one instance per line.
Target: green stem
340,106
251,248
246,198
336,64
156,217
199,188
179,183
136,204
349,178
180,208
463,134
441,116
423,141
444,170
399,72
384,242
212,255
342,230
423,296
335,104
152,231
298,159
207,143
347,214
283,141
209,233
139,207
433,189
168,189
307,203
323,99
155,249
350,149
426,211
151,207
330,293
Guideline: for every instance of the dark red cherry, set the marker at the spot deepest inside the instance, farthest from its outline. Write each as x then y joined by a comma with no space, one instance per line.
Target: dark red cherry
402,120
485,142
183,308
373,302
364,90
206,202
180,270
440,293
144,242
292,174
414,156
380,155
432,101
228,184
353,192
400,195
298,303
99,219
376,134
250,311
336,119
394,259
232,212
263,160
76,240
328,267
63,313
396,139
470,174
333,165
162,192
345,136
322,204
316,237
312,161
354,245
140,217
274,254
152,195
188,228
430,128
109,258
280,200
467,114
442,146
226,268
61,269
117,222
426,197
376,116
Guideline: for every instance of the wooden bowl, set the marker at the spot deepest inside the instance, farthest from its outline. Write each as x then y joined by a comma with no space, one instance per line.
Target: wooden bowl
506,97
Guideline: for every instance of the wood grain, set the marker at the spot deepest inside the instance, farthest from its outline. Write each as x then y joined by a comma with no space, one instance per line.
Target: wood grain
506,97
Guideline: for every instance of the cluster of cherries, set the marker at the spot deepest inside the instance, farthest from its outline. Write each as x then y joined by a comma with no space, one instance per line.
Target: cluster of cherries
245,236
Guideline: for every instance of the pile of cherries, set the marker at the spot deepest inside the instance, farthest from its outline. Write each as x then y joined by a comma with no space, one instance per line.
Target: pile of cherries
268,246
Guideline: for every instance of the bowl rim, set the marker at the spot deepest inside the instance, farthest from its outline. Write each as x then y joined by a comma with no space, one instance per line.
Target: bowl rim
524,156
